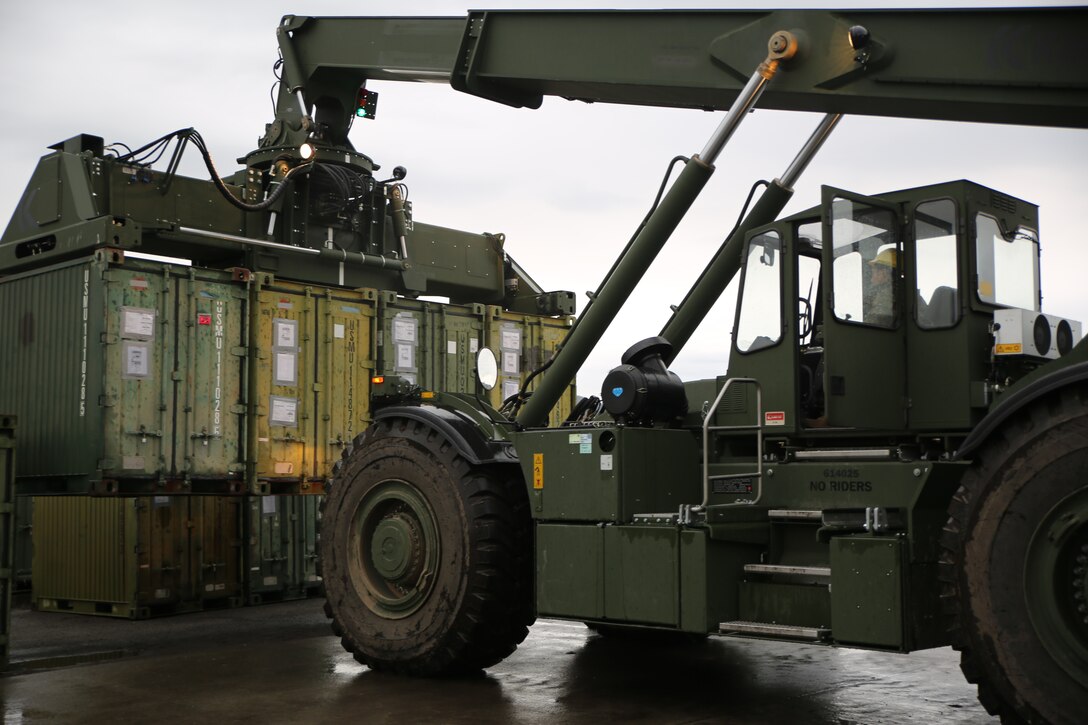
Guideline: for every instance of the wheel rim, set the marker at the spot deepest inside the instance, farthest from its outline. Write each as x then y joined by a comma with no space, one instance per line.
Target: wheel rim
1056,583
394,549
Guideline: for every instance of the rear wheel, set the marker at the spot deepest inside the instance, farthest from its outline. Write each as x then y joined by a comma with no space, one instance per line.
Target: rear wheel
1015,557
425,558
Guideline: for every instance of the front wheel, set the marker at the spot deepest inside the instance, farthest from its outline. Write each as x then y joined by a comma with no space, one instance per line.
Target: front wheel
1016,553
425,558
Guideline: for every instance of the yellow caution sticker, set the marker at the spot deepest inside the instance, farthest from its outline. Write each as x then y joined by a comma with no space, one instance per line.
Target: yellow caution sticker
1013,348
538,470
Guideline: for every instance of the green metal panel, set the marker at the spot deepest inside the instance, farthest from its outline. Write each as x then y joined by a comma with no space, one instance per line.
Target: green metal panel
121,557
7,530
52,321
570,571
216,545
459,334
867,591
642,574
608,474
711,572
212,329
344,368
798,605
281,547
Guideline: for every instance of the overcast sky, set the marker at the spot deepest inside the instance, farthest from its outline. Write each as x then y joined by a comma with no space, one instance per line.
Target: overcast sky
566,183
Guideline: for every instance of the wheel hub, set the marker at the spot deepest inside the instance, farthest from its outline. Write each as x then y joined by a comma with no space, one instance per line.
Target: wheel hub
1056,583
395,549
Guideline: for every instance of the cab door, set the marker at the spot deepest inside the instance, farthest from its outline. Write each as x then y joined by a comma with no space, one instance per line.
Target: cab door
864,332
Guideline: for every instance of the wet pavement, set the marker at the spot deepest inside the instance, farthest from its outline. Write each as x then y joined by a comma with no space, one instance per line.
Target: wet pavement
278,663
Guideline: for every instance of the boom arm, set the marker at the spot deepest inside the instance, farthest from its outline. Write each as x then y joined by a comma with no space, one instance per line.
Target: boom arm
1021,66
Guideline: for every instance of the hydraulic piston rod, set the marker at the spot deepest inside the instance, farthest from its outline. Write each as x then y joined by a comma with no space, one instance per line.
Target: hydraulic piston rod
659,227
723,268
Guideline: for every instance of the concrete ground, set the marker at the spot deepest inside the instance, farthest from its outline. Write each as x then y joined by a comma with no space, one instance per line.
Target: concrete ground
279,664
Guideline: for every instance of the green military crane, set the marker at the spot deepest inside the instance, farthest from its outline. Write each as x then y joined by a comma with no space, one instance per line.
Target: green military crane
896,457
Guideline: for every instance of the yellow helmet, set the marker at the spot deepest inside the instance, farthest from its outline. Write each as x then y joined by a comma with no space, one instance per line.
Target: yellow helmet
887,258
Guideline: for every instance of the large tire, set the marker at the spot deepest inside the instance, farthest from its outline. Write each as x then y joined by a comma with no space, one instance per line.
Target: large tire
425,559
1014,560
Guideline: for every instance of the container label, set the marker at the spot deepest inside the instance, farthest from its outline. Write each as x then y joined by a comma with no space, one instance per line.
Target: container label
774,417
271,581
338,330
137,323
203,319
606,461
132,463
283,411
538,471
217,388
285,372
138,283
473,345
511,338
405,356
451,347
285,333
136,360
268,504
404,328
510,388
510,362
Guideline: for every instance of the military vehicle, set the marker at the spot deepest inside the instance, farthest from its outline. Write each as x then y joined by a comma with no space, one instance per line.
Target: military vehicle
896,456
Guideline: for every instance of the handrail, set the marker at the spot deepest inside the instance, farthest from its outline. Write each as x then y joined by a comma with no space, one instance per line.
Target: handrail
758,428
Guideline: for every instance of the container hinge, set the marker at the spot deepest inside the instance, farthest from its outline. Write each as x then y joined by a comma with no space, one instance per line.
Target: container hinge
288,439
175,376
239,351
238,408
105,401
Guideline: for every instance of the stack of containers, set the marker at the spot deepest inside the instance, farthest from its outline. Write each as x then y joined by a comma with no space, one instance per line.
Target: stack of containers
240,392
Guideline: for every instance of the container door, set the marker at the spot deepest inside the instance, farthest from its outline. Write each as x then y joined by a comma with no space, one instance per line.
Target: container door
404,344
216,546
864,338
166,574
139,349
212,348
344,370
285,384
458,330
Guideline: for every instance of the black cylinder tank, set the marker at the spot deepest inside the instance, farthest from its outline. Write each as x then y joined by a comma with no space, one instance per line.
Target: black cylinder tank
642,391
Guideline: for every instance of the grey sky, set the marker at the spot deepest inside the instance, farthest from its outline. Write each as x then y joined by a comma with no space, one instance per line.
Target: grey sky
566,184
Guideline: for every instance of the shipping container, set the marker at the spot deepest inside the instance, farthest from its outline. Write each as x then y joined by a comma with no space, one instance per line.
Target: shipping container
127,376
7,531
281,548
136,557
310,381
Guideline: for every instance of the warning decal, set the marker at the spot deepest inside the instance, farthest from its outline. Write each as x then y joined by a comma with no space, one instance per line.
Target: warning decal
774,417
538,471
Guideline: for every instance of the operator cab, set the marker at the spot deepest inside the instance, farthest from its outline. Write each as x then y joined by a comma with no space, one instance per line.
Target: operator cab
877,314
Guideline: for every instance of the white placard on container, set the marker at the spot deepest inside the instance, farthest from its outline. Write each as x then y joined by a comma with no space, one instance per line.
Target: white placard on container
404,329
510,363
137,360
137,323
406,357
285,368
511,339
283,411
285,333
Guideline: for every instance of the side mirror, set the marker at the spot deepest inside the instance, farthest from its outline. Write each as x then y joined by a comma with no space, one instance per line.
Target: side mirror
487,368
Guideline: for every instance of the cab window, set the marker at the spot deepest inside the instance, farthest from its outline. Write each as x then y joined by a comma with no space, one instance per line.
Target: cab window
865,267
1007,264
760,319
935,264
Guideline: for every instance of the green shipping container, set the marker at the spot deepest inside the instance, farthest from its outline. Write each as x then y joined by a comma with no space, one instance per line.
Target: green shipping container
522,343
7,531
136,557
127,376
281,548
310,383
